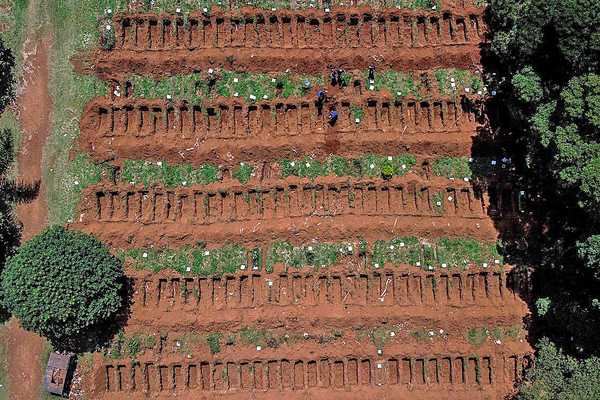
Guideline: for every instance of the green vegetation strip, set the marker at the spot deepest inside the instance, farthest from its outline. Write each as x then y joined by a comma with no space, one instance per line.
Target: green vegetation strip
455,81
81,173
186,6
478,336
196,261
439,253
321,255
199,86
152,173
367,165
222,83
478,167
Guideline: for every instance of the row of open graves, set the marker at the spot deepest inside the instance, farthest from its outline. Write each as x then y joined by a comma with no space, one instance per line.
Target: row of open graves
284,29
348,372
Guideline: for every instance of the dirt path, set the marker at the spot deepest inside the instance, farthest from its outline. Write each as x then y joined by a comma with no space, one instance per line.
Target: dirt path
34,111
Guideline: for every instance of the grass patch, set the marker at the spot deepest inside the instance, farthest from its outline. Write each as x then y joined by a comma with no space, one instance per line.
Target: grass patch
442,252
367,165
478,336
197,87
400,84
189,341
423,334
200,86
462,252
171,176
504,332
197,261
438,201
187,6
478,167
452,167
454,81
4,361
320,255
243,173
402,250
84,173
45,356
214,342
378,335
149,173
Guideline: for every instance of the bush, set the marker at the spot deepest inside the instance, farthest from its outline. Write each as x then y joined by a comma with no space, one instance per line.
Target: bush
61,283
107,40
387,171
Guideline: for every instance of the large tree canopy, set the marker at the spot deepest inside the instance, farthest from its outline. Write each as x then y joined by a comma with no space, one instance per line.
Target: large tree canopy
61,283
548,52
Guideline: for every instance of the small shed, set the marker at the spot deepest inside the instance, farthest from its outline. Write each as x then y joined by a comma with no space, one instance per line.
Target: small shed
58,373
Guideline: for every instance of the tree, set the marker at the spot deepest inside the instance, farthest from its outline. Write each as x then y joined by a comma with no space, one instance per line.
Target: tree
11,192
557,376
61,284
546,58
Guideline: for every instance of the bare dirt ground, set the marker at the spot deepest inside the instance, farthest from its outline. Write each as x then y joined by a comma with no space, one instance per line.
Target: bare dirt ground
428,349
34,114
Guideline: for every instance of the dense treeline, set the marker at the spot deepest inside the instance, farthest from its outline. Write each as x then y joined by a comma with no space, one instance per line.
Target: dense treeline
546,59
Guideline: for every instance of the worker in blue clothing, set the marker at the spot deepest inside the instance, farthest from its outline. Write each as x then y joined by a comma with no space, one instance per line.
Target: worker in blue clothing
333,115
320,97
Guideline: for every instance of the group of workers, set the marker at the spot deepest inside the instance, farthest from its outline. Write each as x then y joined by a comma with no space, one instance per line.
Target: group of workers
337,79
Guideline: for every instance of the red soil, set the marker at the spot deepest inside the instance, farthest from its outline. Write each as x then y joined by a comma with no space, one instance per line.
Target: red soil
348,297
234,131
283,209
34,113
303,41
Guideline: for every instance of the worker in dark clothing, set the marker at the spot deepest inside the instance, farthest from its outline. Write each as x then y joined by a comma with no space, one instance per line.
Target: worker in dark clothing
340,79
371,73
334,77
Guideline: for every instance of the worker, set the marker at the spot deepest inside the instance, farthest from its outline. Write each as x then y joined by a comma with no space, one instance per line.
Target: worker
320,96
333,117
340,80
371,73
334,77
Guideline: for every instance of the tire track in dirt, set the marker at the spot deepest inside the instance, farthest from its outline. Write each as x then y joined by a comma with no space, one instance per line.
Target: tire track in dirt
35,106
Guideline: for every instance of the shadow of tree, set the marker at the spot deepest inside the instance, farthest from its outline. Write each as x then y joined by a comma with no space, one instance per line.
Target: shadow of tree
539,224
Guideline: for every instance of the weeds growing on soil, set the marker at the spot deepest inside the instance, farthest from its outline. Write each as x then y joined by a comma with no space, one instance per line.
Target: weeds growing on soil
203,85
149,173
477,167
442,252
478,336
455,81
214,342
170,176
194,88
319,255
187,6
196,261
367,165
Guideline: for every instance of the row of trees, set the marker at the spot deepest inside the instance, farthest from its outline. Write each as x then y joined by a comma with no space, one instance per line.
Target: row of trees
548,116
